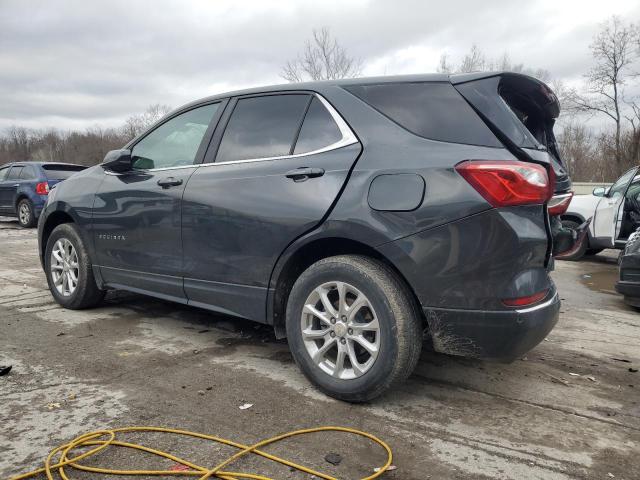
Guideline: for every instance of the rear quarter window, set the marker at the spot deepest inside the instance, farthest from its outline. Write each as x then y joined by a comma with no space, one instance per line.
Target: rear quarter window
61,172
429,109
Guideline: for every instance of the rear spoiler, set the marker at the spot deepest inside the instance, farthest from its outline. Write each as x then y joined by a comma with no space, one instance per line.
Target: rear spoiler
536,90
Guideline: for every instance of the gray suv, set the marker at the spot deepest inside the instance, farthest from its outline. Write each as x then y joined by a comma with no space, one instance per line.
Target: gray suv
355,216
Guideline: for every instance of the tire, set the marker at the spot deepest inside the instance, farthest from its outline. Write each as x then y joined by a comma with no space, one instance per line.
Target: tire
593,251
398,338
26,214
583,248
66,238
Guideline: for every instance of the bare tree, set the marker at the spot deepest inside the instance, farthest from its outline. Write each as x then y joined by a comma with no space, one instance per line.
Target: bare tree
614,49
474,61
323,58
136,124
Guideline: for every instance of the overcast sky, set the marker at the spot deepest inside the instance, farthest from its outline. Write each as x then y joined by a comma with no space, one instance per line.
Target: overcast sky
78,64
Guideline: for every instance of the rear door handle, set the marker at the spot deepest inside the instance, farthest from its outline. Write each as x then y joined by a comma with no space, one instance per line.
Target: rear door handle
303,173
169,182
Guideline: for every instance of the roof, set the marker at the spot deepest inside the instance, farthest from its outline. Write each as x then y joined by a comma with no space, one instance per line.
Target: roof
322,84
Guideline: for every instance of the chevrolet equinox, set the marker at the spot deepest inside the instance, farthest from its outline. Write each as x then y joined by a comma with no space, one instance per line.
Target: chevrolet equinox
355,216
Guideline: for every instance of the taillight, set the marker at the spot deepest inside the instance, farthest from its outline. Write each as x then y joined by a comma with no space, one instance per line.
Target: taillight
559,204
507,183
42,188
524,301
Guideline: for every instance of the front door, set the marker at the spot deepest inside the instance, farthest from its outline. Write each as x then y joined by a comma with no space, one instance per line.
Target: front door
137,214
609,212
280,165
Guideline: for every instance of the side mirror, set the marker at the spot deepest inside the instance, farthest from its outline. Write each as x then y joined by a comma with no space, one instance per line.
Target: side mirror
599,191
118,161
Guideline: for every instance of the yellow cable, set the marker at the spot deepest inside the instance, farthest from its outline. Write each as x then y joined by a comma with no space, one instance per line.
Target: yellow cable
97,440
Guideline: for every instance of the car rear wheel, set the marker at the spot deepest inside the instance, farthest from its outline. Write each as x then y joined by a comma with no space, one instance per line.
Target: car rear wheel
69,270
26,215
353,327
583,248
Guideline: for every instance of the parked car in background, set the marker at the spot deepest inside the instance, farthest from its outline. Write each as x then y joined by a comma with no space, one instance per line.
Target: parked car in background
615,212
628,283
24,187
352,215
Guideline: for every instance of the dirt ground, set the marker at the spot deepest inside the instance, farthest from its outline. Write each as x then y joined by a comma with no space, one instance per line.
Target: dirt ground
569,409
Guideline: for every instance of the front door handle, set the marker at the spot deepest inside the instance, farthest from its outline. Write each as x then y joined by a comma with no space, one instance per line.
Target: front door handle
304,173
169,182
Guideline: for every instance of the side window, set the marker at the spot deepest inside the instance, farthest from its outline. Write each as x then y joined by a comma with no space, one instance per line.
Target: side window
27,173
14,173
262,127
174,143
318,129
618,188
3,173
429,109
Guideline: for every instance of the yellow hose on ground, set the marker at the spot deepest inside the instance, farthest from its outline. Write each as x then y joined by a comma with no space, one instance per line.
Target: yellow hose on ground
93,439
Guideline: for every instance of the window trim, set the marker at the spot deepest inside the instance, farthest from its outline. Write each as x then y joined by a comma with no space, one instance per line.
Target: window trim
21,167
348,137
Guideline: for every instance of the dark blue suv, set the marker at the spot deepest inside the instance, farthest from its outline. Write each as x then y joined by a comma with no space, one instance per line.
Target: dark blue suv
24,187
352,215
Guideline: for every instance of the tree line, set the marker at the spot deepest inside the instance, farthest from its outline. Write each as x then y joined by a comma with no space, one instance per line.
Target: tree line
86,147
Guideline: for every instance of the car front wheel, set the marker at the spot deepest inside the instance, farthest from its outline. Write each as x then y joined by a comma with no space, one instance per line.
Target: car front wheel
353,327
69,270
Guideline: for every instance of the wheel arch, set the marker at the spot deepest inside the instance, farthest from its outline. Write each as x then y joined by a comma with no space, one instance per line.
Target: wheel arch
19,197
576,217
295,261
54,219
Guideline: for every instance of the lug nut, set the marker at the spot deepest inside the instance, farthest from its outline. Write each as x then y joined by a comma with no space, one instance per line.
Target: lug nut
344,318
333,320
350,331
343,341
332,334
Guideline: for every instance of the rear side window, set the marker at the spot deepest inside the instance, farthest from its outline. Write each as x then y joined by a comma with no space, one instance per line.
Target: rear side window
262,127
3,173
61,172
318,129
27,173
431,110
14,173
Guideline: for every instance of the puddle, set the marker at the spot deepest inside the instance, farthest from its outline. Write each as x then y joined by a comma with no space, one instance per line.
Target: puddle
603,281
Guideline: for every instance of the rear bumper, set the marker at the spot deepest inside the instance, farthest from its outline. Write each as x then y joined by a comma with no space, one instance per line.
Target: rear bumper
493,335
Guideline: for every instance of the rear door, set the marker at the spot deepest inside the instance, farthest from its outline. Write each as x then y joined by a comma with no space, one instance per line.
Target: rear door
610,209
280,164
9,188
137,214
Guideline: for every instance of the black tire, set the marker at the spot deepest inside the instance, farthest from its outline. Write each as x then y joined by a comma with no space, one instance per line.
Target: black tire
593,251
400,326
583,248
86,294
26,214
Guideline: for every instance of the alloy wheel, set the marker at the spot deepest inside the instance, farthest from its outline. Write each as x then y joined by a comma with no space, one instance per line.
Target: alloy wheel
64,267
340,330
24,214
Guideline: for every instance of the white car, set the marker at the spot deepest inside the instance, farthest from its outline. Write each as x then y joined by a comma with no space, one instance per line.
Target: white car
615,213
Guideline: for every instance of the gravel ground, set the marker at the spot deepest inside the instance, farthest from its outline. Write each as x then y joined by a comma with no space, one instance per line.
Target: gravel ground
569,409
